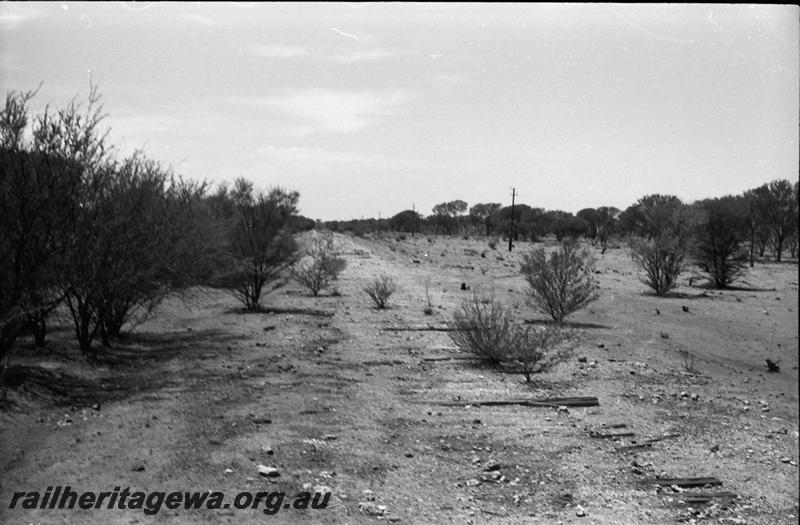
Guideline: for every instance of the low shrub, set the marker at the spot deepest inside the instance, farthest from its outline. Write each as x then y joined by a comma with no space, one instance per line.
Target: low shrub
537,349
380,289
482,328
320,266
561,283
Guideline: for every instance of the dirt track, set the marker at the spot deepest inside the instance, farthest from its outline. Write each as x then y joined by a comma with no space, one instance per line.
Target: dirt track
352,404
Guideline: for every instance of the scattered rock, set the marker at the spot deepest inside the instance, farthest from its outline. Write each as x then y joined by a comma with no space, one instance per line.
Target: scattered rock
371,509
579,511
582,359
268,472
322,489
138,467
473,482
492,465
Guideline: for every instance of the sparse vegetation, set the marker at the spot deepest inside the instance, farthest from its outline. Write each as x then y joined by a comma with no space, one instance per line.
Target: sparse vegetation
429,305
380,289
562,283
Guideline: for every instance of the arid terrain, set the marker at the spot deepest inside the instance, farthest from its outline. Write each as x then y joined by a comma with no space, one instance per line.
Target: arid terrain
335,393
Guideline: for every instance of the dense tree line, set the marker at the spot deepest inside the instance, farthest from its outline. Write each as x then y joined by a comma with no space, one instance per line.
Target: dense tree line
104,238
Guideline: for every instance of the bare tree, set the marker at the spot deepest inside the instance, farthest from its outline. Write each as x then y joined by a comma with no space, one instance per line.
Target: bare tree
40,186
26,246
720,235
260,246
151,245
75,134
776,212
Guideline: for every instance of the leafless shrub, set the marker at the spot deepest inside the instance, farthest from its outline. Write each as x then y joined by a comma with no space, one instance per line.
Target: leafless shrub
428,292
561,283
482,329
688,361
380,289
320,266
537,349
662,259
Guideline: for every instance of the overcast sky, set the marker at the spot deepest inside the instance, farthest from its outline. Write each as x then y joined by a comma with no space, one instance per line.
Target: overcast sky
367,109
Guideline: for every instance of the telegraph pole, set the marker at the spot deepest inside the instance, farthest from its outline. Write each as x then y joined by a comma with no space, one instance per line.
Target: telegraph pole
511,232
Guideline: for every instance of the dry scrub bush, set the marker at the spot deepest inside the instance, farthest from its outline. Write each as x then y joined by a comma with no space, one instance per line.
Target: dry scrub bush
662,259
483,329
537,349
661,225
561,283
320,266
259,243
380,289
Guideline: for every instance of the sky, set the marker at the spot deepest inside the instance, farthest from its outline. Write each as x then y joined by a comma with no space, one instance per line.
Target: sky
370,109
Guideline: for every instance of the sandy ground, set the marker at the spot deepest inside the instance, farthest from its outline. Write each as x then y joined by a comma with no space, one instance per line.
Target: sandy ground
336,394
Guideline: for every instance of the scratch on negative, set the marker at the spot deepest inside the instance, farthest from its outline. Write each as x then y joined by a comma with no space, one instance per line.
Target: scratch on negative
344,34
649,33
